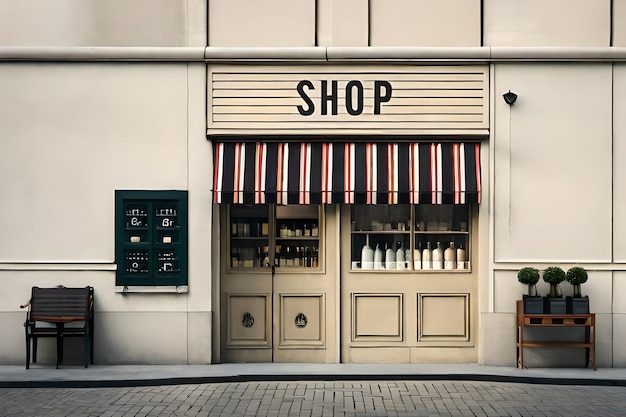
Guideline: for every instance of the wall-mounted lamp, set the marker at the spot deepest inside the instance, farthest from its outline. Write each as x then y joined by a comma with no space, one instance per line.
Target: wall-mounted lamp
510,97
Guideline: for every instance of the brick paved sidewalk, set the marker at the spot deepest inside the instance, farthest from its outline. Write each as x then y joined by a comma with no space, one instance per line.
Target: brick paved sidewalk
320,399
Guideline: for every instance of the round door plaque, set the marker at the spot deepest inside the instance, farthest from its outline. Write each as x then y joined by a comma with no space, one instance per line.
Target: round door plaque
301,320
248,320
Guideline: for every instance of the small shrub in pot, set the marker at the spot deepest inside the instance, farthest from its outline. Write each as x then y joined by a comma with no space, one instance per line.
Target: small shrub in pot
554,275
529,276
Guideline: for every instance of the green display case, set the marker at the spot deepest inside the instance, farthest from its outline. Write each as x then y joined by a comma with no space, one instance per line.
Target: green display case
151,247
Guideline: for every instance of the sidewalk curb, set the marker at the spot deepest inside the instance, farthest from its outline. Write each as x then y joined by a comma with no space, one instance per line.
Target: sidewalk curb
243,378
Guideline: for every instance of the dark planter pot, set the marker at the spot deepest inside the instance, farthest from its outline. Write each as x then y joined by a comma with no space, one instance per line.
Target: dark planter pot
533,305
577,305
556,306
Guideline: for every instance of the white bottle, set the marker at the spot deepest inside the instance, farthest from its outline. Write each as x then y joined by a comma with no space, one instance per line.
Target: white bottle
417,258
449,257
400,256
460,258
438,257
390,259
367,257
427,262
378,258
407,258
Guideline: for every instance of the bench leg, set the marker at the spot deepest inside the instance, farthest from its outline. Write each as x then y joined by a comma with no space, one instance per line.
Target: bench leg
91,334
27,351
87,350
59,350
34,340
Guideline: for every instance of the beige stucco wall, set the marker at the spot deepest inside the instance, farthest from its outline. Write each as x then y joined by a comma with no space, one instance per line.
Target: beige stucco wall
97,23
311,23
553,168
425,23
261,23
619,163
85,130
77,133
619,23
547,22
619,215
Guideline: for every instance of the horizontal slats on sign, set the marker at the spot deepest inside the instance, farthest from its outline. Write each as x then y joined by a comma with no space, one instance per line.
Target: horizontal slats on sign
349,173
424,99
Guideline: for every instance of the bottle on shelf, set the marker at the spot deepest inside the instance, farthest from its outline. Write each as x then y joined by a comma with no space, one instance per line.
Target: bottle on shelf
427,262
417,257
266,256
400,256
235,258
306,258
378,257
438,257
288,257
449,257
407,258
315,257
367,257
460,257
390,258
297,257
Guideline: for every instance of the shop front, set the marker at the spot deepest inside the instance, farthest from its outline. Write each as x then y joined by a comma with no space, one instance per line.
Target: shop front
347,204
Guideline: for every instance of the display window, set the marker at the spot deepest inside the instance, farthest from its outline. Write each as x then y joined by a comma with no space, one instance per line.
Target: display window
410,237
262,236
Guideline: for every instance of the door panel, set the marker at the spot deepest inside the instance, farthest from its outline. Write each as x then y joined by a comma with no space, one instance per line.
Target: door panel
248,324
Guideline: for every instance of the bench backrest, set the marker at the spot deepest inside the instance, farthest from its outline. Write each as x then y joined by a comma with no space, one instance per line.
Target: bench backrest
71,304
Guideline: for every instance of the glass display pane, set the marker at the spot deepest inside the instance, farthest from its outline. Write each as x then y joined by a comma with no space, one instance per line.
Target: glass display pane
297,236
441,237
249,236
405,237
282,236
381,238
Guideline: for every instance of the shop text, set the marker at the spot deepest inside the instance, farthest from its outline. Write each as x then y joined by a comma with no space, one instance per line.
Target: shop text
354,97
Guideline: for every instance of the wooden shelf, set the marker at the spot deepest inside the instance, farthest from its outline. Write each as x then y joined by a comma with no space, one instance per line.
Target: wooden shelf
586,321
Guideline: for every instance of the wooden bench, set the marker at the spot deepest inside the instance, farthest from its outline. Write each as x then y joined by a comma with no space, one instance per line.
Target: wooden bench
59,312
586,321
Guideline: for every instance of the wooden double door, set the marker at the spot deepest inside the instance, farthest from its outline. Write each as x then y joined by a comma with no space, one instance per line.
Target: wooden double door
278,284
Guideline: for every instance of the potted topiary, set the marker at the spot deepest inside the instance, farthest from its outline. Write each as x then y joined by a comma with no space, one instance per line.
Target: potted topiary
554,275
529,276
533,304
577,304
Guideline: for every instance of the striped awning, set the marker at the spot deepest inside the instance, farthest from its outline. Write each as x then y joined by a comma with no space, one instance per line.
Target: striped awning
348,173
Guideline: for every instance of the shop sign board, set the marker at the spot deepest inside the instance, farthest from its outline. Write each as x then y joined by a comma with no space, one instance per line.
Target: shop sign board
401,99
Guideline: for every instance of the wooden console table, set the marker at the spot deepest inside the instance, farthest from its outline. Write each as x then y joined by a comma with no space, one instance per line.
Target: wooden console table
588,321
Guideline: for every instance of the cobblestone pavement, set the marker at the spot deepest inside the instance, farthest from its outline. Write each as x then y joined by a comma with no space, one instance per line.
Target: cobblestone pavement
346,399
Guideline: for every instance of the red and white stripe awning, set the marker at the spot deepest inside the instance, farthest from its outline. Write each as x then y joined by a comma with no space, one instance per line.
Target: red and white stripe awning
349,173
